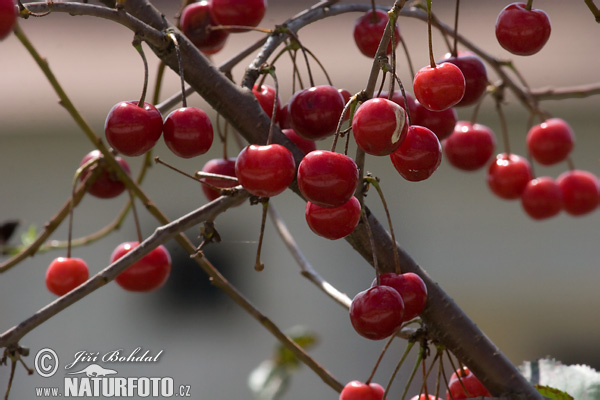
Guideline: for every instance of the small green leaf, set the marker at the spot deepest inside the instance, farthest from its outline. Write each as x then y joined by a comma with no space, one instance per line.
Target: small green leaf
303,337
552,393
29,236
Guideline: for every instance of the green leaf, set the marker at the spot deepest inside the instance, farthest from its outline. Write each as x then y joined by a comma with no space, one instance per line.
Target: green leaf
581,382
303,337
552,393
29,236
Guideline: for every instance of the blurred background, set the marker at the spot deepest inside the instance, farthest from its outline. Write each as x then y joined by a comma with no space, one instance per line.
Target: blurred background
532,287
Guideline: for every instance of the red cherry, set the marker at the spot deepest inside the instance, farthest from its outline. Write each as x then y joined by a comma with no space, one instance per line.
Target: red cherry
284,119
333,222
376,313
580,191
346,95
188,132
147,274
107,185
133,130
399,99
508,175
419,155
442,123
475,74
368,31
265,171
303,144
439,88
542,198
315,112
470,146
195,21
220,166
247,13
474,387
379,126
521,31
326,178
423,397
411,288
65,274
551,141
8,17
356,390
266,98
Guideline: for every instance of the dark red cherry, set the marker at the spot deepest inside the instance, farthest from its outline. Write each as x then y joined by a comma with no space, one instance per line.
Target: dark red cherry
379,126
441,123
132,130
376,313
470,146
440,87
356,390
475,74
149,273
265,171
219,166
551,141
542,198
419,155
467,387
399,99
580,191
107,185
266,98
8,17
188,132
315,112
521,31
411,288
65,274
368,31
508,175
303,144
246,13
333,222
195,22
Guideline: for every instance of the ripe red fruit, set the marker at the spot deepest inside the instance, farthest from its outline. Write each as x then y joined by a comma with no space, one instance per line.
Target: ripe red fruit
149,273
333,222
521,31
439,88
508,175
265,171
65,274
376,313
8,17
303,144
419,155
379,126
368,31
442,123
220,166
399,99
356,390
133,130
195,20
266,98
470,146
474,387
326,178
475,74
542,198
107,185
551,141
188,132
247,13
423,397
580,191
411,288
315,112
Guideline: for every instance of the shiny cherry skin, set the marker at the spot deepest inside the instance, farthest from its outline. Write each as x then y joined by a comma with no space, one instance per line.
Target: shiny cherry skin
376,313
107,185
475,73
580,191
356,390
65,274
326,178
411,288
379,126
542,198
551,141
521,31
315,112
266,98
246,13
508,175
8,17
470,147
439,88
265,171
147,274
303,144
471,383
220,166
132,130
333,222
419,155
188,132
368,31
399,99
195,21
442,123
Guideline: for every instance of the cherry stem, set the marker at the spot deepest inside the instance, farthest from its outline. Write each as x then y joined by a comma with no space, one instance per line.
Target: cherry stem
159,80
137,43
420,357
135,217
303,50
455,36
429,38
406,107
385,348
529,5
80,170
351,105
595,11
198,175
173,38
409,346
259,266
271,71
374,12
